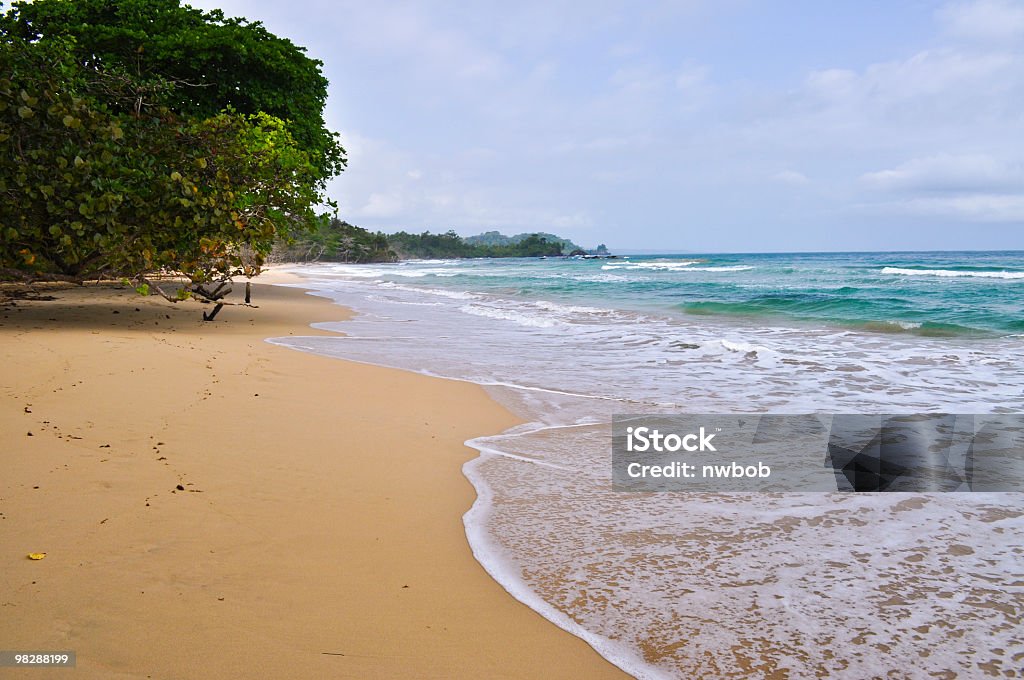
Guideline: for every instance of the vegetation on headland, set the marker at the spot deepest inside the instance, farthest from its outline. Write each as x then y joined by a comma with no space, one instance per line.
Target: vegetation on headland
142,136
495,238
333,240
451,245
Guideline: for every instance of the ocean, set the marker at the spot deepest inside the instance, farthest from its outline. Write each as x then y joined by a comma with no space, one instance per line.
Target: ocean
722,585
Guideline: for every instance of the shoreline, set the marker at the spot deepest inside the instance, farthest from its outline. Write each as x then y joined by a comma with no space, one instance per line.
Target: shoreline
613,560
318,529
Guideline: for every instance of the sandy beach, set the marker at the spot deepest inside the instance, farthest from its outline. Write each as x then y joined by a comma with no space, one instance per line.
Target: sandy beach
211,505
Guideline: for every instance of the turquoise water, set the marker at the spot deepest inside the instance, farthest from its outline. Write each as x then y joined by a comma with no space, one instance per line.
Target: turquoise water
667,585
935,294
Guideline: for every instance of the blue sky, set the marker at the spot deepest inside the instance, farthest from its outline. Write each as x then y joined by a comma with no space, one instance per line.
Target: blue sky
696,125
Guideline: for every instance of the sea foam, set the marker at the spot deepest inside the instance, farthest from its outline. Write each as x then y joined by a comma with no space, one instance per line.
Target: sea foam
952,273
673,585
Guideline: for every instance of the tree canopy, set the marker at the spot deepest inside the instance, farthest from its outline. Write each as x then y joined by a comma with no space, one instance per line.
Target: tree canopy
451,245
125,169
215,62
333,240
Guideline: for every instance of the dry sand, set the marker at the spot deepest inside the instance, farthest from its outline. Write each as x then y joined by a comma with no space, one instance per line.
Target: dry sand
319,531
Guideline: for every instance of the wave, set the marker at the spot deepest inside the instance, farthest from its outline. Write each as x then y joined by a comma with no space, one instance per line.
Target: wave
365,272
414,303
954,273
570,309
863,315
808,305
678,267
601,278
510,315
928,329
451,294
658,265
530,490
491,555
729,268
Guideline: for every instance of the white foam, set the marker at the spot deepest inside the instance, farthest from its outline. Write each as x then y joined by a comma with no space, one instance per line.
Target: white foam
743,347
654,264
438,292
407,270
488,451
952,273
679,267
693,574
570,309
601,278
510,315
414,303
501,567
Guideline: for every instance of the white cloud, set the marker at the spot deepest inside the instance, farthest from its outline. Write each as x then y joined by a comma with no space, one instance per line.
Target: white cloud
833,83
639,77
943,72
966,187
843,124
791,177
691,77
381,205
571,221
976,208
949,173
536,114
409,33
625,49
604,144
984,20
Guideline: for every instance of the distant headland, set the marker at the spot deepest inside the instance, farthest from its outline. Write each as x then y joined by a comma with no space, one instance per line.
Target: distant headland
338,241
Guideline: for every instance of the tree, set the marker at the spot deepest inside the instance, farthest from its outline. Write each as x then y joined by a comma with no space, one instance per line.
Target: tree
100,174
333,240
215,62
535,245
450,244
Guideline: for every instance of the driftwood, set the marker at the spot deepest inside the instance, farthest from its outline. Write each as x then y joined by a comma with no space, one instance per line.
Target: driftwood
209,317
215,296
16,277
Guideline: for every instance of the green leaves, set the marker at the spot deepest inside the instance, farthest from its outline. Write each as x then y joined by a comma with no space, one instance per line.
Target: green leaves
216,61
90,184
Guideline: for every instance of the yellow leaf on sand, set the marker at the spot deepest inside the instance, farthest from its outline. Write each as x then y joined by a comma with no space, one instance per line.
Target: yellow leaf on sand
36,556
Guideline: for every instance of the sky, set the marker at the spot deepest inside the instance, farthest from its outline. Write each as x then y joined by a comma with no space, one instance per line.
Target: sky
695,125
